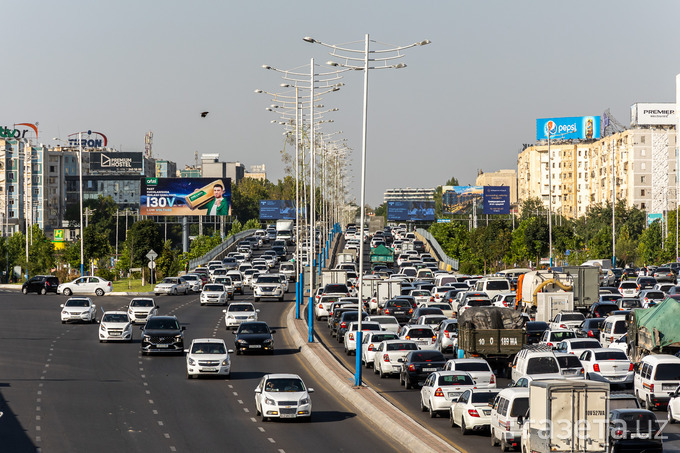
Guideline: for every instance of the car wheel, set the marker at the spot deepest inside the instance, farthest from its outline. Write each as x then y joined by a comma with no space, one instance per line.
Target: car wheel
422,405
67,292
228,376
281,299
375,370
24,290
264,419
504,446
407,383
433,414
257,299
99,292
382,374
63,322
43,291
648,404
174,291
670,414
494,442
463,428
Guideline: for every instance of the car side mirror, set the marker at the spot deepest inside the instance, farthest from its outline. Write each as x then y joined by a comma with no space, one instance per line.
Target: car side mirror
257,310
224,311
257,390
158,306
520,420
400,360
184,328
186,351
310,390
62,305
230,351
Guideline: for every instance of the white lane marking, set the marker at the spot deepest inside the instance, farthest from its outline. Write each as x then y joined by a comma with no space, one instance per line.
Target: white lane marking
240,401
245,409
150,401
253,419
155,412
235,393
261,429
166,435
160,423
271,440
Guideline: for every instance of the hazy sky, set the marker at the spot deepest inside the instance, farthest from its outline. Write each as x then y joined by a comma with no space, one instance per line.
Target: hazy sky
467,101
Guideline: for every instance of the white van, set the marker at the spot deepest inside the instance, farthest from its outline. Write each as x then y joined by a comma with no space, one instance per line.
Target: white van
613,328
443,279
656,377
493,286
509,404
537,364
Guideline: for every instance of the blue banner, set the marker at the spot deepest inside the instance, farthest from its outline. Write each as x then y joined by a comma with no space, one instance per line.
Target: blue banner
277,209
496,200
414,211
568,128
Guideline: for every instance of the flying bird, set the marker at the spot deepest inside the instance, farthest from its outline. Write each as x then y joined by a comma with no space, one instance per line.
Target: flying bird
204,114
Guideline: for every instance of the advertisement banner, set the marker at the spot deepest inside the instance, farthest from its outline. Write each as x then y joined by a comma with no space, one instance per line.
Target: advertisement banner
651,218
185,196
104,161
461,199
568,128
414,211
277,209
653,114
496,200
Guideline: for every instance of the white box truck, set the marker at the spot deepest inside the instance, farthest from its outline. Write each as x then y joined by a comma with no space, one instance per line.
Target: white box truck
332,276
284,230
566,416
386,290
550,304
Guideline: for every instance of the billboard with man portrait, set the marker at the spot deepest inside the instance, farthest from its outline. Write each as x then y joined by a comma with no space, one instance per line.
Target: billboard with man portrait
186,196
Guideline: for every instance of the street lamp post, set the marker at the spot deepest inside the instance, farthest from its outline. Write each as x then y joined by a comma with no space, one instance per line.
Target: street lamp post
353,62
80,173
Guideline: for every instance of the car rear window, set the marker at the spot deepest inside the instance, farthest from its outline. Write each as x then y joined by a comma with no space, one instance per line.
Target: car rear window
611,355
667,372
542,365
479,303
654,295
427,356
420,333
401,347
455,379
585,344
335,289
519,407
472,366
573,317
568,361
484,397
400,303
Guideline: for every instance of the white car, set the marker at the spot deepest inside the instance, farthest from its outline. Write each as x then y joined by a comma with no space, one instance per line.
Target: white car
567,320
424,336
214,294
86,285
608,365
115,326
141,308
239,312
629,289
350,339
441,389
387,322
283,396
388,353
504,300
473,409
194,281
228,285
171,285
479,370
421,296
79,309
269,286
208,357
576,345
674,407
369,344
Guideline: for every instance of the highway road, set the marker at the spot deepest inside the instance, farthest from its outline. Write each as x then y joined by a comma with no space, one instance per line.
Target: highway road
63,391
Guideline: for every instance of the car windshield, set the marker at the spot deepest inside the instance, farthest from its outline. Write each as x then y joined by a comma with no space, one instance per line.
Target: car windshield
572,317
253,328
163,324
284,385
401,347
115,317
455,379
472,366
77,303
667,372
141,303
208,348
542,365
241,307
484,397
213,288
268,279
171,281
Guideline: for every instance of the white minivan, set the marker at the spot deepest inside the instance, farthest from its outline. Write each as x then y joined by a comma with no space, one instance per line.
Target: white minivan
510,403
493,286
656,378
613,328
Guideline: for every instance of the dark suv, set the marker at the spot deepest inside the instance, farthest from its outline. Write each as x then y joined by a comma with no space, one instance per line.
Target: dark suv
162,334
41,284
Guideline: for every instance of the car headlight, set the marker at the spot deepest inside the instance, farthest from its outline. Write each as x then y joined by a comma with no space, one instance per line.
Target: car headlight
269,401
146,338
267,341
241,341
191,361
64,312
225,362
102,327
178,337
304,400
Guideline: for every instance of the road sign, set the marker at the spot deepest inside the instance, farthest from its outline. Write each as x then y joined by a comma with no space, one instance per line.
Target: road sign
152,255
152,264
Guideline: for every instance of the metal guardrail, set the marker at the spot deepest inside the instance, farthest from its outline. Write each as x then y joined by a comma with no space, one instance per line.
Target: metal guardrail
452,263
221,248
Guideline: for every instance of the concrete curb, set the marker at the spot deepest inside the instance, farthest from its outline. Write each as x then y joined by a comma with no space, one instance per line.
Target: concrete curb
386,417
116,293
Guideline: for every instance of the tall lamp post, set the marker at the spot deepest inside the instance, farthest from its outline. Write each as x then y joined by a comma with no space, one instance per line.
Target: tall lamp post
80,173
359,60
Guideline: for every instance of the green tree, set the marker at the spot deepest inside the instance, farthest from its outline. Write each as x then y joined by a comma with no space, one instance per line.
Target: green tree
532,207
252,224
649,247
536,238
168,263
626,250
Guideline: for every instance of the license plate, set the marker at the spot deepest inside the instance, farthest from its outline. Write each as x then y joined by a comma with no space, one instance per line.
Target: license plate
487,412
454,395
209,369
287,415
669,386
255,346
429,369
115,334
162,345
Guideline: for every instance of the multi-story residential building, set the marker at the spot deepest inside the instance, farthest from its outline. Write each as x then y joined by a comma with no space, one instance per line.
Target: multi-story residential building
212,167
257,172
165,169
408,194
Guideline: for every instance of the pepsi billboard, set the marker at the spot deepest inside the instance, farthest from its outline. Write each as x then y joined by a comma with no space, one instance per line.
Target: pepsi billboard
277,209
413,211
496,200
568,128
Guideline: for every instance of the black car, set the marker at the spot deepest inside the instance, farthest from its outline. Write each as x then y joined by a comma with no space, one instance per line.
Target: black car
629,274
590,328
634,430
399,308
646,283
41,284
613,277
254,336
418,365
337,313
602,309
343,323
280,251
420,311
162,334
535,331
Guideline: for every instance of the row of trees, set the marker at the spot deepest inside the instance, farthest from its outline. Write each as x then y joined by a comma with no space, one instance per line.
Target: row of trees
498,245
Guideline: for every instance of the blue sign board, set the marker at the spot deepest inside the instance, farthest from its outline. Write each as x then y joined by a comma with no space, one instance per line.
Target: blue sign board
277,209
443,220
496,200
651,218
414,211
568,128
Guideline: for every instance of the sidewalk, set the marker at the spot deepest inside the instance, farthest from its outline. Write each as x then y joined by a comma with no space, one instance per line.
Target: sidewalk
384,415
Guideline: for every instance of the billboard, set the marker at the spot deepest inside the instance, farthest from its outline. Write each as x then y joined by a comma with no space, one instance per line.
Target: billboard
496,200
461,199
185,196
568,128
653,114
105,161
414,211
277,209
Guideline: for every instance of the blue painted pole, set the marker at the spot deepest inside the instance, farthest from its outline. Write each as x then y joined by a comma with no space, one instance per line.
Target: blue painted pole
310,318
357,352
297,298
